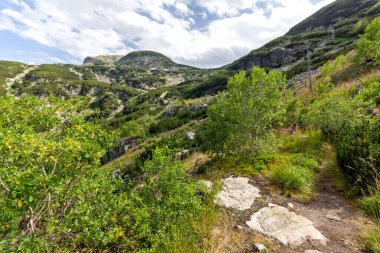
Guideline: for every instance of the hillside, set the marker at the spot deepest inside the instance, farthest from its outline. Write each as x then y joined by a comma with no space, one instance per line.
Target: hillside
332,30
137,153
149,60
102,59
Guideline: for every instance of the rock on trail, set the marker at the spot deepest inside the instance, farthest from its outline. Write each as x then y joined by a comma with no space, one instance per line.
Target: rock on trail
279,223
237,194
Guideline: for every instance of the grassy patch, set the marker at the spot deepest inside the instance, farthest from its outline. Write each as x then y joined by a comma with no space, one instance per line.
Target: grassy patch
293,174
371,205
52,72
293,179
372,241
10,69
307,142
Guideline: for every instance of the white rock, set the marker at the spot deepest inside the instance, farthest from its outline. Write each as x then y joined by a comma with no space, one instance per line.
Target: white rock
237,193
260,247
332,217
206,183
290,205
312,251
190,136
279,223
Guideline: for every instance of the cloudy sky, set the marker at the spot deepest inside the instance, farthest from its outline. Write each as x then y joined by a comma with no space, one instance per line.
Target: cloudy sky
202,33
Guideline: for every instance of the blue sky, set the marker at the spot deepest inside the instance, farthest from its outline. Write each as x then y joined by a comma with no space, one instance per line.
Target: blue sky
202,33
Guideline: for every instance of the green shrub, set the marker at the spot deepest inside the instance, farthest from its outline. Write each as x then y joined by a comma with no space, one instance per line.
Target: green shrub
293,179
369,47
241,120
371,205
372,240
10,69
52,72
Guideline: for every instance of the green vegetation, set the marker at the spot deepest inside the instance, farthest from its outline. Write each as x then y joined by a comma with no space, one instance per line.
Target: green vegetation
371,205
241,119
10,69
369,47
293,179
52,72
372,242
55,196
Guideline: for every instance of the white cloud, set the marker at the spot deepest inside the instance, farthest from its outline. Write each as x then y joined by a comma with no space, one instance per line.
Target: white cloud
93,27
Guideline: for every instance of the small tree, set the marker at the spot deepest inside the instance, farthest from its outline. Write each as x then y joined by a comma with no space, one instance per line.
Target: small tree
369,47
242,119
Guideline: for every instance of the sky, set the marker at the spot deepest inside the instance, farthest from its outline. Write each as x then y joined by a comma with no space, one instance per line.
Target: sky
200,33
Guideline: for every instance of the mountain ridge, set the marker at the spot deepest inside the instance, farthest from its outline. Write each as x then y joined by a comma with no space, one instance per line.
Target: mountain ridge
330,31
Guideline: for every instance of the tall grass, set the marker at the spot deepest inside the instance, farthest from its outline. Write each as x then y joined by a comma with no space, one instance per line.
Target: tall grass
303,142
293,179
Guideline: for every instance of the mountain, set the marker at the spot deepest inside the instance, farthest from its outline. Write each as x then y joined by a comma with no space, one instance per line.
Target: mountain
149,60
102,59
327,33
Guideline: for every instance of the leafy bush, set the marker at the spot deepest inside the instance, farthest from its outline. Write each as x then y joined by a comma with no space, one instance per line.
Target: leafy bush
139,127
348,123
55,198
369,47
241,119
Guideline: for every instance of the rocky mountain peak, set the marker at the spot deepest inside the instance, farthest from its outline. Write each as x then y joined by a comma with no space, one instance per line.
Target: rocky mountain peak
102,59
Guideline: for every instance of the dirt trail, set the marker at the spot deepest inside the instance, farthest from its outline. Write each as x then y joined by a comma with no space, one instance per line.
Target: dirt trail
330,211
19,77
344,233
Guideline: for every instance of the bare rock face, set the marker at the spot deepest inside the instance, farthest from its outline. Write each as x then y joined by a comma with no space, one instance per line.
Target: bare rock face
279,223
237,194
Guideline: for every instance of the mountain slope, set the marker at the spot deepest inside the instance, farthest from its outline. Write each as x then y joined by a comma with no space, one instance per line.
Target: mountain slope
102,59
328,32
149,60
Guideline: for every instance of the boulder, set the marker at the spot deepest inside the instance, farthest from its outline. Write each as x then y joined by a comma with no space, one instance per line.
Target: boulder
260,247
279,223
237,194
190,136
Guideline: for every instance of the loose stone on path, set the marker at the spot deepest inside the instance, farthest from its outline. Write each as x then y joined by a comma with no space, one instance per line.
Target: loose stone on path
237,193
279,223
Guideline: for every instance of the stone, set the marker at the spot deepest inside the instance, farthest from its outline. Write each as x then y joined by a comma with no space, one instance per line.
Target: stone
237,194
183,154
190,136
287,227
332,217
290,205
206,183
312,251
260,247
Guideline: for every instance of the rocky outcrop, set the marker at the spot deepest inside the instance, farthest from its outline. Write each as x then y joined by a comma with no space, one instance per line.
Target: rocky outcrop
237,193
329,32
102,60
279,223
